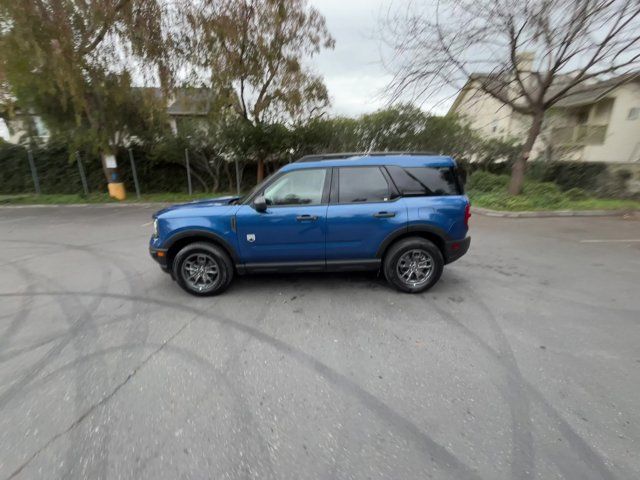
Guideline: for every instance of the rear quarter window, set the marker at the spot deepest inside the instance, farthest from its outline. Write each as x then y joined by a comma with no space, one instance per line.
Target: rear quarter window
425,181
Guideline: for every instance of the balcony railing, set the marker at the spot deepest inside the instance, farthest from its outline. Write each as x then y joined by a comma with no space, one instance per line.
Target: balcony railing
579,135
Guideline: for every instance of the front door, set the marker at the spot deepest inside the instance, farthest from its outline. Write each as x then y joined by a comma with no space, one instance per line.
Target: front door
293,228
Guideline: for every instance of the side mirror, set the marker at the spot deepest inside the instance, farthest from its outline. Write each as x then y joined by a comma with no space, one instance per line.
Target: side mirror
260,204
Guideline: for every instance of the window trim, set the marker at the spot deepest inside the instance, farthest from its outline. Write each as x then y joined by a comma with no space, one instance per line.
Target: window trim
334,198
325,188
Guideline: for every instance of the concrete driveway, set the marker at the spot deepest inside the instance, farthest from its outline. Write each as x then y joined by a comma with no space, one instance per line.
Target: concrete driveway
522,363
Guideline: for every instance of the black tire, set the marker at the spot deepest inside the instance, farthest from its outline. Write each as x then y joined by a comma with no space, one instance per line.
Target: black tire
216,259
406,248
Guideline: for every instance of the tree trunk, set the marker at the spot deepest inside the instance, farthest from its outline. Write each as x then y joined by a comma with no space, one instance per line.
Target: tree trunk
200,180
230,178
217,167
520,165
241,167
260,173
114,181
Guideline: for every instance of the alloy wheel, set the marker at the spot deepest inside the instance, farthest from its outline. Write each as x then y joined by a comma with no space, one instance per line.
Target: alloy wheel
200,271
415,267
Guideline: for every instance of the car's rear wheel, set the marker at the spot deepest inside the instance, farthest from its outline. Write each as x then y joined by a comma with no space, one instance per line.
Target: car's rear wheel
413,265
202,269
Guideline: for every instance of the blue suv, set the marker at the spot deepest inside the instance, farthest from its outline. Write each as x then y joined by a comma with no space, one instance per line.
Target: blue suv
402,213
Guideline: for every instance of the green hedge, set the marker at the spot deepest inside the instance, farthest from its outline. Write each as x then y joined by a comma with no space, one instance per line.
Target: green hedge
164,171
568,175
58,171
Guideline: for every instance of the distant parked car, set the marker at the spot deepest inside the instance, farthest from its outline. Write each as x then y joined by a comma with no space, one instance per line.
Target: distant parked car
402,213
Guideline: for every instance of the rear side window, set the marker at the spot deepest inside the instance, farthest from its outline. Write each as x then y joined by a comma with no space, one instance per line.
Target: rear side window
362,184
425,181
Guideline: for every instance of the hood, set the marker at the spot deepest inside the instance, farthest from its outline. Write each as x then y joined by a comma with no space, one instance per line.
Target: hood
197,204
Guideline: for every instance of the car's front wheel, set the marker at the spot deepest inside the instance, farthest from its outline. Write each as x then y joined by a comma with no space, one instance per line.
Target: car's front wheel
413,265
202,269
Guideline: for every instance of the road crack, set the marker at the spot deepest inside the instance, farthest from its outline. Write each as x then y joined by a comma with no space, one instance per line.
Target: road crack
101,403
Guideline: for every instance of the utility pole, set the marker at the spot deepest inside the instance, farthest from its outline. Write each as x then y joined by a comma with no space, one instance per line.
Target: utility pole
134,173
34,171
237,177
83,178
186,157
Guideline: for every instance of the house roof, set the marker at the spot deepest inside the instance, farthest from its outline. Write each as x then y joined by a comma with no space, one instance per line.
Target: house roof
592,93
185,101
190,101
583,94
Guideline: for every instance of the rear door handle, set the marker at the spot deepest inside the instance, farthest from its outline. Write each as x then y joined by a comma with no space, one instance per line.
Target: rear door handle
306,218
384,214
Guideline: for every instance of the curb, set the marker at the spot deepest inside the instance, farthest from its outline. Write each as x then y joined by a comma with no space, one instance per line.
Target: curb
552,213
79,205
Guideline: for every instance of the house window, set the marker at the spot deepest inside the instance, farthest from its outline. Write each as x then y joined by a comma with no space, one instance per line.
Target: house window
634,113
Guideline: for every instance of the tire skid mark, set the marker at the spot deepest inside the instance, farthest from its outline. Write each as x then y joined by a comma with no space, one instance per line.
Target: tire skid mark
137,331
75,304
549,294
440,455
514,394
575,441
71,306
97,405
248,423
225,375
38,366
26,306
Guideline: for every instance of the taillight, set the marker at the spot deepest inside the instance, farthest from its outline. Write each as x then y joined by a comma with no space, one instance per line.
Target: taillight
467,215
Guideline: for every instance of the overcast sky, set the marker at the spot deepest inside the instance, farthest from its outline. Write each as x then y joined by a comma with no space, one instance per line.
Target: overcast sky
353,71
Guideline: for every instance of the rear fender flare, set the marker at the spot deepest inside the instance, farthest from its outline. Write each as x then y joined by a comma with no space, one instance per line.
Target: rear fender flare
393,236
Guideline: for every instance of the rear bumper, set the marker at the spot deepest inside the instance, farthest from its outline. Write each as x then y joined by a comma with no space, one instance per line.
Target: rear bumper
457,248
160,256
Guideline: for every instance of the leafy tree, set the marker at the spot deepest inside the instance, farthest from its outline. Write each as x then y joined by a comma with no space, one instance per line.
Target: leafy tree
253,51
527,54
322,135
401,128
75,62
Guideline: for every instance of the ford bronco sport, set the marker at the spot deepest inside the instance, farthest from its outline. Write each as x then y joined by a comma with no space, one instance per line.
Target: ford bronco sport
402,213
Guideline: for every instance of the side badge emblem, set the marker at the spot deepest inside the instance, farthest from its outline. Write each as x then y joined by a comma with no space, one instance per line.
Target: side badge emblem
251,238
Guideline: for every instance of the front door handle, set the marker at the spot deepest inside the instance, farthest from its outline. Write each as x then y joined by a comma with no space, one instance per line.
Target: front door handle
384,214
306,218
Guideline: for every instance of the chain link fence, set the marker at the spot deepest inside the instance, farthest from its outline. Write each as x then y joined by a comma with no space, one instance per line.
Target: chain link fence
57,170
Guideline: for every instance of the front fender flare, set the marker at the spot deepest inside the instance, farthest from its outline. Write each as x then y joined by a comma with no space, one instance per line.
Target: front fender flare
202,233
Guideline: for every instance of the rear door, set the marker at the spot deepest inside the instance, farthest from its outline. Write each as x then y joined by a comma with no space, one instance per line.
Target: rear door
363,210
434,196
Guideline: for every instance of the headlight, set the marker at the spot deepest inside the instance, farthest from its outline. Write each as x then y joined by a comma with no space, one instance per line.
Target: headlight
155,227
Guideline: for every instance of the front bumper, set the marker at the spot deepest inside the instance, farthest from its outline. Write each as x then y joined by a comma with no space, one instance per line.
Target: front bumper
160,256
456,248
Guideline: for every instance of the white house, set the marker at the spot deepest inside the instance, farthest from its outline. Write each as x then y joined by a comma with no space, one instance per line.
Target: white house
597,122
184,105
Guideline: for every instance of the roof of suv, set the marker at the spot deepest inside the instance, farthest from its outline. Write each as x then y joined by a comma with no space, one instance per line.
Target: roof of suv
402,159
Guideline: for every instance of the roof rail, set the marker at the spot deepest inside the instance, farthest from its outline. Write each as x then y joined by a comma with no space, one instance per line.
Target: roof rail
346,155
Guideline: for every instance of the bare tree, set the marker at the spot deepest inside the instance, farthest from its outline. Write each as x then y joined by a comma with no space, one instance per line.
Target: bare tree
567,44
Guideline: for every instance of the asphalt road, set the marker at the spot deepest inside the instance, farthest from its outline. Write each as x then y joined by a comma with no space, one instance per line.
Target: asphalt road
522,363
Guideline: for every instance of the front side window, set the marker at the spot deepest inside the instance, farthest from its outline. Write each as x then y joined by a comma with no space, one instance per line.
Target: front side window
300,187
362,184
425,181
